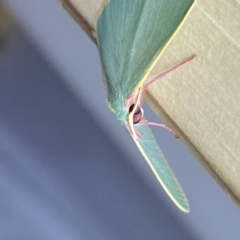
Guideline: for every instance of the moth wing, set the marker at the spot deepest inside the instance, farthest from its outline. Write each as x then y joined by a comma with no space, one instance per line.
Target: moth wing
131,35
158,164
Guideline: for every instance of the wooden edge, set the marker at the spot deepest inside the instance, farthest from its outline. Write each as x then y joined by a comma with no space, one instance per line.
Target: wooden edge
190,146
79,18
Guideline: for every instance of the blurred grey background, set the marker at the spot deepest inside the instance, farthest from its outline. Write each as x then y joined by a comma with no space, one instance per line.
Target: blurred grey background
68,170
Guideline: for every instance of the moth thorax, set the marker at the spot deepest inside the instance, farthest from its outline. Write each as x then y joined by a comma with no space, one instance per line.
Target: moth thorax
138,114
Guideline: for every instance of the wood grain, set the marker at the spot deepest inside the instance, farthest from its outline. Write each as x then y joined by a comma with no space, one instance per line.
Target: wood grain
201,100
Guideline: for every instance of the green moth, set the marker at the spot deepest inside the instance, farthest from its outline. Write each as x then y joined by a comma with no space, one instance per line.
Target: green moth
131,35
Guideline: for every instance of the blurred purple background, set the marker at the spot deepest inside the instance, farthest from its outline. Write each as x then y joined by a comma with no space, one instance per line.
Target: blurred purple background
68,170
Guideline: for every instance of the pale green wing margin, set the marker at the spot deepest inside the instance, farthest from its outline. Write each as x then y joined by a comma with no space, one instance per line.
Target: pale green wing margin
155,158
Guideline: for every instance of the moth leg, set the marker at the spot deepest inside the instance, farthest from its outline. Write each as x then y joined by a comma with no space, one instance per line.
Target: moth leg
168,71
160,125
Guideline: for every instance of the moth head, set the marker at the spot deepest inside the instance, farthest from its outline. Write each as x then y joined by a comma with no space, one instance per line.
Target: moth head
135,113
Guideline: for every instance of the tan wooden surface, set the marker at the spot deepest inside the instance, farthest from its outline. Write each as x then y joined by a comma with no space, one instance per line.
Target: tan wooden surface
201,100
